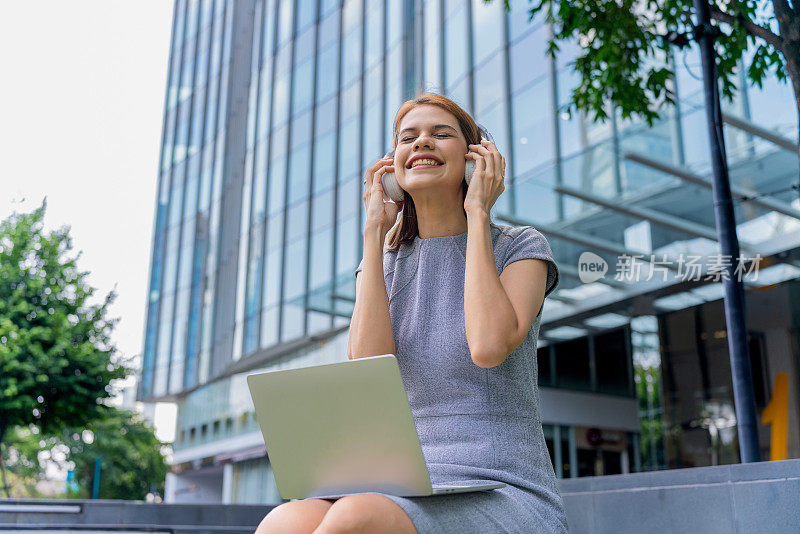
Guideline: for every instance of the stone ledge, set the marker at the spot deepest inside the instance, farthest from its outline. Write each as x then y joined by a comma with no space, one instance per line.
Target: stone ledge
743,498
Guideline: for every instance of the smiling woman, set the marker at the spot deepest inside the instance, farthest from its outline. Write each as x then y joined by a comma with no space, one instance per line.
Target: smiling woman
458,300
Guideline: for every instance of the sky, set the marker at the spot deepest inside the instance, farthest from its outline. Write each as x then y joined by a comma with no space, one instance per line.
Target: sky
81,111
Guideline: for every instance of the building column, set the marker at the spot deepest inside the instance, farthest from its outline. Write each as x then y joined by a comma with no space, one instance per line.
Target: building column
169,487
227,483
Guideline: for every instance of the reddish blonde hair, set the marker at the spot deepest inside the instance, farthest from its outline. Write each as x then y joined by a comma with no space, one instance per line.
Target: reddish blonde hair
406,229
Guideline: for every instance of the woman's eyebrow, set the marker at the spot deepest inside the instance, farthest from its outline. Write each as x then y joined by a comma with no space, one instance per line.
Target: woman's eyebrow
436,127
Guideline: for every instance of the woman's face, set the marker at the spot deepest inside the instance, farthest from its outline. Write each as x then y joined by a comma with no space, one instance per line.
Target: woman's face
430,149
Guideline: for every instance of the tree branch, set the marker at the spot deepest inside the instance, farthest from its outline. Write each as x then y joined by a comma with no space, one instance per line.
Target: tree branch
782,6
5,485
787,23
754,29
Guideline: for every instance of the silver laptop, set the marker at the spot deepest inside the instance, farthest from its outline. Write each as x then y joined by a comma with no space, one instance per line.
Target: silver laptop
344,428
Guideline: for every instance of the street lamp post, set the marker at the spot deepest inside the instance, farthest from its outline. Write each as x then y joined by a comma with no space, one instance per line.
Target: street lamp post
744,399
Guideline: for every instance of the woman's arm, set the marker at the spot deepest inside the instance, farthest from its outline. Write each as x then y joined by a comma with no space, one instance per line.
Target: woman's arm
498,310
371,326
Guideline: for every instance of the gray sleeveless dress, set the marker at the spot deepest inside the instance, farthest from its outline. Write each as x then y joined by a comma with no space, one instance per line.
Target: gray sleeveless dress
474,424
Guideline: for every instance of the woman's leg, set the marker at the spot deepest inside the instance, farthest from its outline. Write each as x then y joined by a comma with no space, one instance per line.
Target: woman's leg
300,517
366,512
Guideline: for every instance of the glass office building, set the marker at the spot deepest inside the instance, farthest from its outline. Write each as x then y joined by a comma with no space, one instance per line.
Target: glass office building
275,107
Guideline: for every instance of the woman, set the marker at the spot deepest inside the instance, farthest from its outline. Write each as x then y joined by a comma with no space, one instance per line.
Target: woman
457,298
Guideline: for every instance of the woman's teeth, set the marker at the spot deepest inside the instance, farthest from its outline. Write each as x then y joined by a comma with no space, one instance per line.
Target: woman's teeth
424,162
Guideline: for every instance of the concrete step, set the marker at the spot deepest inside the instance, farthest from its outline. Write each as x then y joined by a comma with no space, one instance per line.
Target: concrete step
96,516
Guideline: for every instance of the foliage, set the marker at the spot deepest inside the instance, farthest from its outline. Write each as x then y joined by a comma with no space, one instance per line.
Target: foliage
132,461
625,49
57,361
651,421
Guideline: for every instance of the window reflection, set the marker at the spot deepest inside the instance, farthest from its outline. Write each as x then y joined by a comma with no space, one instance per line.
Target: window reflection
302,86
456,44
487,29
321,256
285,20
322,215
324,154
490,84
327,66
299,173
529,60
306,13
296,275
373,47
534,142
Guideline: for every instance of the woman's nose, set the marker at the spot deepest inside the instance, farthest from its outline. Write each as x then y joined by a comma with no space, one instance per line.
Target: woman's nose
423,141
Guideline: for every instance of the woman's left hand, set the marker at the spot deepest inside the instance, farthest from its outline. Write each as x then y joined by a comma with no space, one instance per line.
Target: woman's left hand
487,181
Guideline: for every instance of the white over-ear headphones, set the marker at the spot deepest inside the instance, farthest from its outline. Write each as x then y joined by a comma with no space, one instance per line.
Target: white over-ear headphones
395,192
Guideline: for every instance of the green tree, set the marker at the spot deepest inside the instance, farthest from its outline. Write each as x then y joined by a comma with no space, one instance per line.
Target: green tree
625,46
131,458
648,392
56,357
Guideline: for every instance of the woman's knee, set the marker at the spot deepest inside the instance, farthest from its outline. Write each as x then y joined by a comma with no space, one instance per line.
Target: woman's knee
366,513
295,517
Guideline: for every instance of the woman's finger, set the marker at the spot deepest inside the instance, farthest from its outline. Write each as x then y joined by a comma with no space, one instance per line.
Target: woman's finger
480,149
375,166
495,154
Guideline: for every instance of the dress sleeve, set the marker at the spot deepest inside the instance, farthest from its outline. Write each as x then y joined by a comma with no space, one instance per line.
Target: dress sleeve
530,243
360,267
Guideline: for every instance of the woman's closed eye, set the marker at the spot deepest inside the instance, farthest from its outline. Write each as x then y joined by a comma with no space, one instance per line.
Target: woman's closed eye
405,139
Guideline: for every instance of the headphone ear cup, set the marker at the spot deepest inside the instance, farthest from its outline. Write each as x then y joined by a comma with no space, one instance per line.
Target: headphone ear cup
389,184
391,187
469,168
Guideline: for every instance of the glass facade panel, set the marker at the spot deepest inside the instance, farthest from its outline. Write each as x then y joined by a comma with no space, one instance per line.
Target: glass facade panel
572,364
535,199
348,194
432,23
269,326
277,174
272,289
518,20
487,30
351,56
611,362
394,22
324,161
297,222
533,139
282,79
303,86
347,232
348,148
285,20
529,59
299,173
306,13
322,212
295,277
373,27
327,68
373,135
490,84
321,257
456,44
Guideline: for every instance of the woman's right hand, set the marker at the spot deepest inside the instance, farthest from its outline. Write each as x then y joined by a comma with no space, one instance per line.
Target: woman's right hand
379,213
